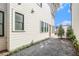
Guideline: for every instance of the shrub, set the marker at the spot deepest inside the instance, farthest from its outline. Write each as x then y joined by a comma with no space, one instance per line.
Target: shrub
60,31
75,43
69,32
72,37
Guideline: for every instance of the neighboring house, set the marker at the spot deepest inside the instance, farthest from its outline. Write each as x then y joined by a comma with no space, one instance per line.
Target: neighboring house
75,19
23,23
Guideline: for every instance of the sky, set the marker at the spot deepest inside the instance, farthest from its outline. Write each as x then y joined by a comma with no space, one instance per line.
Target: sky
63,15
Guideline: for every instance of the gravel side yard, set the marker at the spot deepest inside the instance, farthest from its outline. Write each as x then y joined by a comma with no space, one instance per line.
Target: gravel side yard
50,47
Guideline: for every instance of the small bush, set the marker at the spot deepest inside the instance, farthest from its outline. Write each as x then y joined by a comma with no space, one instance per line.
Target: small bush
69,32
76,45
75,42
60,31
72,37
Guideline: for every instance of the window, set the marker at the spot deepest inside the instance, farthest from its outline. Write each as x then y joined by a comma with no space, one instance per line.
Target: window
19,21
47,27
44,26
1,23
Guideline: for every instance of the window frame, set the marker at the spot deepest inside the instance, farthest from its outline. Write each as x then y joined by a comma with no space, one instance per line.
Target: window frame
22,22
2,23
45,27
41,26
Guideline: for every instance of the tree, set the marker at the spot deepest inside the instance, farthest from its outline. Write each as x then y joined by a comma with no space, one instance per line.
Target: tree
60,31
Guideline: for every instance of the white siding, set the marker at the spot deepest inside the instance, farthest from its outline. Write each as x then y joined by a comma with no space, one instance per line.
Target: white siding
31,24
3,40
75,19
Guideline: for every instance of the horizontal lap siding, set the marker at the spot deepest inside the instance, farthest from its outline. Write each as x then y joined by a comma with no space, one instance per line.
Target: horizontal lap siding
75,19
31,24
3,40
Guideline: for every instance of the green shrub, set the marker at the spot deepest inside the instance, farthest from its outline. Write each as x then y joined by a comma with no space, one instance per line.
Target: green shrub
72,37
69,32
75,42
60,31
76,45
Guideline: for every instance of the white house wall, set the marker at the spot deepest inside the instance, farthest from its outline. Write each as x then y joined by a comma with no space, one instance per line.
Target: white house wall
31,24
75,19
3,40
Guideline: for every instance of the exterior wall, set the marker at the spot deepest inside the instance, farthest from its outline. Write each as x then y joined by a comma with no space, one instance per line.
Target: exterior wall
75,19
3,40
31,24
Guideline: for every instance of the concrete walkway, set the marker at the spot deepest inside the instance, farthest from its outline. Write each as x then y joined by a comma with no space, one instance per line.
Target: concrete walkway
50,47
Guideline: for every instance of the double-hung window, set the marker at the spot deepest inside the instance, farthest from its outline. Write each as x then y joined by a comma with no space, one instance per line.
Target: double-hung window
1,23
45,27
19,21
42,23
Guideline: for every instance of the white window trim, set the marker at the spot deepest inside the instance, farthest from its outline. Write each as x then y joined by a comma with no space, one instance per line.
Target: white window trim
13,22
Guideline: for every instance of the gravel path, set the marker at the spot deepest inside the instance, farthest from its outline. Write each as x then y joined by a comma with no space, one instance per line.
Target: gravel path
50,47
